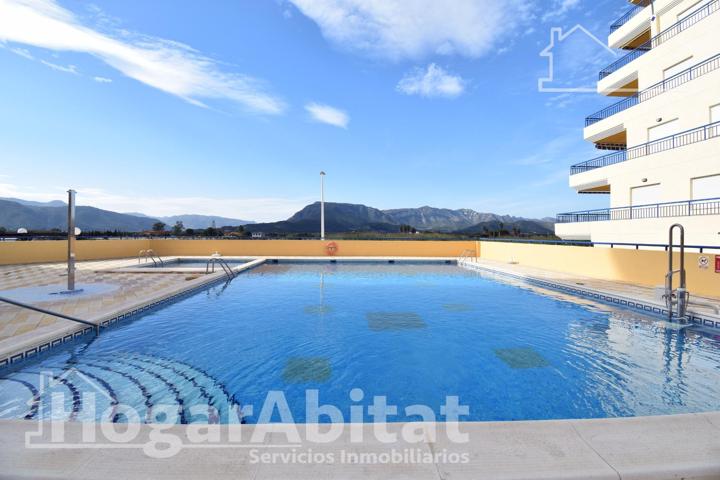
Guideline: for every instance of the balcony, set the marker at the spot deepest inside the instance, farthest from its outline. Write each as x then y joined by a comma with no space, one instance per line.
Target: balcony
699,134
627,16
698,15
685,208
670,83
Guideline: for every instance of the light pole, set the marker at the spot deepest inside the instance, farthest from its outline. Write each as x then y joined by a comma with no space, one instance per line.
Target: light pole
71,242
322,206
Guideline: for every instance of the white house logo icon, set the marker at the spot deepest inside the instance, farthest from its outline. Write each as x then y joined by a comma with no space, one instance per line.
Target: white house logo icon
590,59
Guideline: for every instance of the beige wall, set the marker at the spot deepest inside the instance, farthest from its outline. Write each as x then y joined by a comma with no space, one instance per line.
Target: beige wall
56,251
699,230
643,267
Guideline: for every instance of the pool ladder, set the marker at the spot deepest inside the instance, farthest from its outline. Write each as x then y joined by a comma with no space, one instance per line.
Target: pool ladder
150,255
680,297
210,267
465,256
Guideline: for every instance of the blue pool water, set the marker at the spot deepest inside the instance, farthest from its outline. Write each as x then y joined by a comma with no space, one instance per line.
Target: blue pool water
414,333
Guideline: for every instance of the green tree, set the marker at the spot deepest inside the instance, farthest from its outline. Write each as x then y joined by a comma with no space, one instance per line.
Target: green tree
178,228
158,227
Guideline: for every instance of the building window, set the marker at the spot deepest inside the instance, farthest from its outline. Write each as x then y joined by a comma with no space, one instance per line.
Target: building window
645,195
705,187
689,11
715,114
677,68
664,130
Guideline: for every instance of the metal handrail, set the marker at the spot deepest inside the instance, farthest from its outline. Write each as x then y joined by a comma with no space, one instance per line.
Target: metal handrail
669,83
698,15
678,297
688,137
684,208
223,264
96,327
587,243
150,254
626,17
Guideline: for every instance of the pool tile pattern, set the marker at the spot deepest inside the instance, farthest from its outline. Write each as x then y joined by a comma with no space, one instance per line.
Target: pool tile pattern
307,370
318,309
521,358
458,307
392,321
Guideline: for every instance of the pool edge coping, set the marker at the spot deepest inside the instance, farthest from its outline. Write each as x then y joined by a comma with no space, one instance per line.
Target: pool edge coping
613,448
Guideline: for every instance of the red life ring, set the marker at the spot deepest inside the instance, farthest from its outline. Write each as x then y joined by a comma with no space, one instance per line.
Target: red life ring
331,248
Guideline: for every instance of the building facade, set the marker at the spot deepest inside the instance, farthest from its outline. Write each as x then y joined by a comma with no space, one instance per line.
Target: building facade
660,141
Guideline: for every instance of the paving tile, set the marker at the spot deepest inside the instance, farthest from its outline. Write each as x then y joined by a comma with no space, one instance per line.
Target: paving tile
521,450
691,445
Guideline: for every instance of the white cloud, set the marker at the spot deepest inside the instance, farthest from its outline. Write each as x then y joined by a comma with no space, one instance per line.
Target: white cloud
327,114
60,68
102,79
559,9
556,151
431,82
23,52
248,208
398,29
168,66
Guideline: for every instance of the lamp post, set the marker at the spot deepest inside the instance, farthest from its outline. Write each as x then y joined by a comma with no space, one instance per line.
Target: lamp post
322,206
71,242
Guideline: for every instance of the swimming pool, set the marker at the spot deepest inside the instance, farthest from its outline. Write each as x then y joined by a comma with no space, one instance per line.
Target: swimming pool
413,332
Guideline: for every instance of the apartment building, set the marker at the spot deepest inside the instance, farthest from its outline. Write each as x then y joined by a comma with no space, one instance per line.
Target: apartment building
660,139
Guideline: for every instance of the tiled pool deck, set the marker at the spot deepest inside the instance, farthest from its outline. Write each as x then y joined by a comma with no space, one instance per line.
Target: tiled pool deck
23,330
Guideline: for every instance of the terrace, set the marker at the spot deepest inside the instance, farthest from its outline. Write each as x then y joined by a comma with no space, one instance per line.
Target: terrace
662,37
689,137
696,71
627,16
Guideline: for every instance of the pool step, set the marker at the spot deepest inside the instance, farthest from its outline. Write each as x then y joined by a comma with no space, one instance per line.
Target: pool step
158,390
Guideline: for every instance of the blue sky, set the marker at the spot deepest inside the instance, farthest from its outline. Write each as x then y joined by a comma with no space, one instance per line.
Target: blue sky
233,107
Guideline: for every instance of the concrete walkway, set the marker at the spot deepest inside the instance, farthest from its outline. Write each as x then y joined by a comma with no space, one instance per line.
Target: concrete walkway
669,447
642,293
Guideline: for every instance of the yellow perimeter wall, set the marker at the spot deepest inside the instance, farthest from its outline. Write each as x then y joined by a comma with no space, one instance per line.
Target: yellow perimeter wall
642,267
312,248
56,251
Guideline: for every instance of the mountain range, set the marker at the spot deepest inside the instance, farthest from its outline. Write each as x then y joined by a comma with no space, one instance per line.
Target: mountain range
197,221
347,217
17,213
339,217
